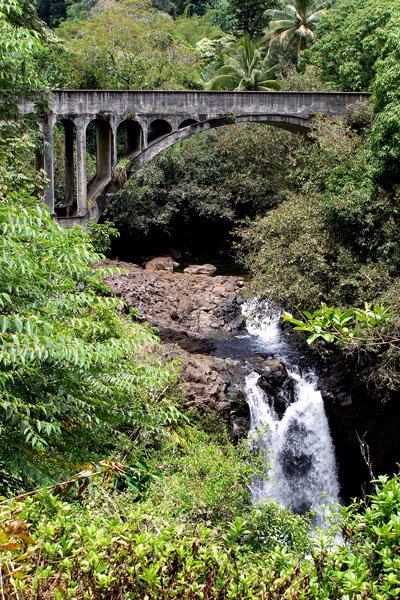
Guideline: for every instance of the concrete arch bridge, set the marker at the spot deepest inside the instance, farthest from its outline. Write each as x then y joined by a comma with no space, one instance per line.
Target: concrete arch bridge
138,125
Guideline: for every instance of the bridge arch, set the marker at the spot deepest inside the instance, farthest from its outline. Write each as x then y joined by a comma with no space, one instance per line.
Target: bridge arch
158,129
291,123
64,132
129,138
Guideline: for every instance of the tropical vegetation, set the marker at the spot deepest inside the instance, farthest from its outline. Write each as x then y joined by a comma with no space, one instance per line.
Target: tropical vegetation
110,487
295,22
246,70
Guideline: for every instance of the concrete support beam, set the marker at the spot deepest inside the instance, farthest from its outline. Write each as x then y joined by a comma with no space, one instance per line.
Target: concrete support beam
69,166
81,181
48,160
114,150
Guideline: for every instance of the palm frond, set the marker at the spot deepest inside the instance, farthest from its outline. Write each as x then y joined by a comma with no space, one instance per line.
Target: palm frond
275,14
224,82
293,11
268,84
277,27
315,17
225,70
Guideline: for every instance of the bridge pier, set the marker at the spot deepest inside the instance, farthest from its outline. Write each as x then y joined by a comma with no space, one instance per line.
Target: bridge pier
81,180
47,126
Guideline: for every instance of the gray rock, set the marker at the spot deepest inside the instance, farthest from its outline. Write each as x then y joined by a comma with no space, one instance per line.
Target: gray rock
200,269
273,373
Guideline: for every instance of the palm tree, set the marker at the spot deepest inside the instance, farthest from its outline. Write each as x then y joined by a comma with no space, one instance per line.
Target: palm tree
247,70
296,22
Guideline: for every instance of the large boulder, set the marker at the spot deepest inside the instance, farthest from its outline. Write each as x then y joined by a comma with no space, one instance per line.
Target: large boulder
161,263
273,373
275,382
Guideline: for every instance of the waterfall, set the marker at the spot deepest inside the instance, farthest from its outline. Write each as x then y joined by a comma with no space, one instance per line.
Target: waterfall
301,471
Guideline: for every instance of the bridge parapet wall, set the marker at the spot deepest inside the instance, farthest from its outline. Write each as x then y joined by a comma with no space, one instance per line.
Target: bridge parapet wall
207,103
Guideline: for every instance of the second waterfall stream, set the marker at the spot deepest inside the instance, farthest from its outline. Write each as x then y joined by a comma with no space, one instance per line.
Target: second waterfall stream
294,437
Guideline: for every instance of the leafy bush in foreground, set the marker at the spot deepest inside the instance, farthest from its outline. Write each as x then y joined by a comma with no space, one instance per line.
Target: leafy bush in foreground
75,377
106,547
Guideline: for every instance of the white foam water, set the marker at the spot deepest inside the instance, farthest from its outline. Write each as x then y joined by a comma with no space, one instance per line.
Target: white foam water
299,452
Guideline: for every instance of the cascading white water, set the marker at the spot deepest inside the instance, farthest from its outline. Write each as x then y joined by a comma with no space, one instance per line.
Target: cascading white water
299,451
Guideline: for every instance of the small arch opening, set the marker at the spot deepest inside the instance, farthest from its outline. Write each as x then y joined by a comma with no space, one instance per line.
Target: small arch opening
187,123
98,154
129,138
158,129
64,135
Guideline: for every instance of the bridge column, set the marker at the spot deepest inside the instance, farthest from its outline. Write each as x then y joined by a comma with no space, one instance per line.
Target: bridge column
81,181
48,159
69,165
114,143
104,140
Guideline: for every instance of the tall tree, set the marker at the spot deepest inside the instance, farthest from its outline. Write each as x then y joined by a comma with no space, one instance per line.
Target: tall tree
21,42
250,15
296,22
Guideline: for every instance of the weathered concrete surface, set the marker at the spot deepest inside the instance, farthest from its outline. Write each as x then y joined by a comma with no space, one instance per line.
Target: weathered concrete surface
201,104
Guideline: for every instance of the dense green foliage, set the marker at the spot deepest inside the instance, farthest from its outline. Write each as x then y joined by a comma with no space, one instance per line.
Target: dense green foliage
161,506
211,185
351,38
76,381
106,546
358,48
125,46
21,43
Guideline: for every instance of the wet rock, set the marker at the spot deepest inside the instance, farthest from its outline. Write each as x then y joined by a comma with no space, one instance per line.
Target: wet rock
279,404
161,263
295,462
200,269
238,323
296,465
273,375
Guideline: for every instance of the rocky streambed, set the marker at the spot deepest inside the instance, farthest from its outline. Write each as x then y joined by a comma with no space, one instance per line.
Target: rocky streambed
244,374
195,314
